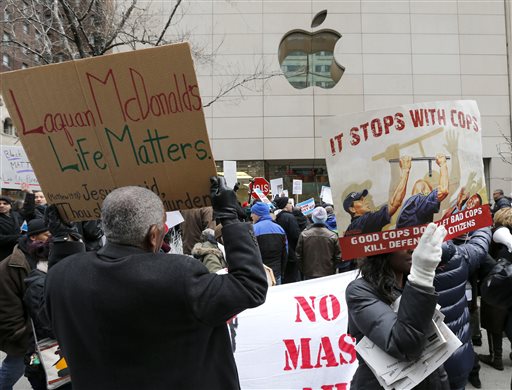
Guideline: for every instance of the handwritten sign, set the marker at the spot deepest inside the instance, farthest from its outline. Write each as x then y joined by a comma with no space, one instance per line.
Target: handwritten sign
93,125
298,338
393,171
16,169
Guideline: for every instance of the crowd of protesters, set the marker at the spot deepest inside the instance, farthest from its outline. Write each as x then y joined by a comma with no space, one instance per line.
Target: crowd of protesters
44,256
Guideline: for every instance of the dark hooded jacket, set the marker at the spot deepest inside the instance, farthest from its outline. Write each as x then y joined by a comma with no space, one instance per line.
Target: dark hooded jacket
457,263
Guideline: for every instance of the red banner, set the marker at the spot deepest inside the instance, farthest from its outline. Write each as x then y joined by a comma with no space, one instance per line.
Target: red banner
362,245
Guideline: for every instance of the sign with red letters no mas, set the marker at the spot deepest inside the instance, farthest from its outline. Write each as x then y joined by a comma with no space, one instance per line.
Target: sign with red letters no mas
262,184
93,125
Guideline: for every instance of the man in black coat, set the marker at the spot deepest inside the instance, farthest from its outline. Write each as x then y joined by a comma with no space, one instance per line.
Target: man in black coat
11,221
500,201
288,222
128,317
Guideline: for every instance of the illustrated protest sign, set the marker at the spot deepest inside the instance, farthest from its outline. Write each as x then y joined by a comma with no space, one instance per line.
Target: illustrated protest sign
276,187
298,338
92,125
393,171
15,168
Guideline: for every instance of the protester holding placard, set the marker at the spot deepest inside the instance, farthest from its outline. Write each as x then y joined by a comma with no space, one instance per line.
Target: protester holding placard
401,334
128,317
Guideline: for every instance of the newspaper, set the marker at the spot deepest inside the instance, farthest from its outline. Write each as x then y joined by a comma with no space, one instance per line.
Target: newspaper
393,373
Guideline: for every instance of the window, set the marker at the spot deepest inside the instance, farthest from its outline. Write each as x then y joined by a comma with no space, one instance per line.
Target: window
25,48
313,56
8,126
7,15
6,37
6,60
24,66
26,27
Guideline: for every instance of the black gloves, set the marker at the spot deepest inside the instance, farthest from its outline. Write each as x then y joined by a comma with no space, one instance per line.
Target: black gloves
59,229
226,208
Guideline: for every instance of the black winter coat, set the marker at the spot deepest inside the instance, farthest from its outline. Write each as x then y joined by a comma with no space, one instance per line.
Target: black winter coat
401,334
457,264
289,224
129,319
10,225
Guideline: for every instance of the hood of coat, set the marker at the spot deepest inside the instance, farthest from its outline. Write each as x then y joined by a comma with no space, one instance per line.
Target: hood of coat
202,249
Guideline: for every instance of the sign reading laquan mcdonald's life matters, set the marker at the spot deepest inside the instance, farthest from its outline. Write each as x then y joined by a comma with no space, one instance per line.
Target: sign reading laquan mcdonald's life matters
92,125
393,171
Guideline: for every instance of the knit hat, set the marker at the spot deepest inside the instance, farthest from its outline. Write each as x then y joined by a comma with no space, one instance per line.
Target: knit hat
319,215
260,209
36,226
281,202
6,199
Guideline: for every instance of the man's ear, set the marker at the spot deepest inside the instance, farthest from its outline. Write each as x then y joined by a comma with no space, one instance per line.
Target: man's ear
152,239
352,210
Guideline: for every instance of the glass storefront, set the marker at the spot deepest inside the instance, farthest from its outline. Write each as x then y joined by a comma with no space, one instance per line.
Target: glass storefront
313,174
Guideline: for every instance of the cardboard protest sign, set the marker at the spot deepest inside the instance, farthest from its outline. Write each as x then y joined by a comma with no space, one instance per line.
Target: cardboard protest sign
93,125
307,206
393,171
15,168
326,195
298,338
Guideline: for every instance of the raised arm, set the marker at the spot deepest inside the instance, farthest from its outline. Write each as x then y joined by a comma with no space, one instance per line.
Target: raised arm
442,189
398,195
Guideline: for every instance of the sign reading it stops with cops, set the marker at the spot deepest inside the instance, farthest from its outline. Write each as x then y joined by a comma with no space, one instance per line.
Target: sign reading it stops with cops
262,184
92,125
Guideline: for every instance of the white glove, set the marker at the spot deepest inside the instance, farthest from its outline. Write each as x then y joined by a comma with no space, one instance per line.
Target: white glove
502,236
427,256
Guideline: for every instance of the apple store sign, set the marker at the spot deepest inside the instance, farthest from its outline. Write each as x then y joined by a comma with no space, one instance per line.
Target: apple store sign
307,59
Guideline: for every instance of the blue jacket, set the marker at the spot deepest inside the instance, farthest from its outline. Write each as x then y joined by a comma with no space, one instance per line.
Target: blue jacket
273,244
457,264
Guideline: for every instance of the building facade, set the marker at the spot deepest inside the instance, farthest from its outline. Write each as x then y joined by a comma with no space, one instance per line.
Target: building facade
365,55
393,52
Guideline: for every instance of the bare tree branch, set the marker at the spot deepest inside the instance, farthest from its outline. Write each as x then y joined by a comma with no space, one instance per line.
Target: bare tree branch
168,23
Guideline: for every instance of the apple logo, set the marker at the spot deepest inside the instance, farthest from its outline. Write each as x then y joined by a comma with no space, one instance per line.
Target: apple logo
307,59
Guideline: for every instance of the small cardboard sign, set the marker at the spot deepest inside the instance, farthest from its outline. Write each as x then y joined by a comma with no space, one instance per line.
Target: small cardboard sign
307,206
297,187
326,195
93,125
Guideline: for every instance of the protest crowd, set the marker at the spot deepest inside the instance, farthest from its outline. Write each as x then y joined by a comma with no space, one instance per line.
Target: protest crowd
105,287
60,280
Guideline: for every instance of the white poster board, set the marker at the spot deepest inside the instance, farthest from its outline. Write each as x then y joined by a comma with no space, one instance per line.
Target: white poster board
16,169
276,187
297,187
229,168
298,338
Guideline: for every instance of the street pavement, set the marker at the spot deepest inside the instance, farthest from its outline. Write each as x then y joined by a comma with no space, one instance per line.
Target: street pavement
491,379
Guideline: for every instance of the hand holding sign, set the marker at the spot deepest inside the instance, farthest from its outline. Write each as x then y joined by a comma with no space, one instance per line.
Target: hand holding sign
225,204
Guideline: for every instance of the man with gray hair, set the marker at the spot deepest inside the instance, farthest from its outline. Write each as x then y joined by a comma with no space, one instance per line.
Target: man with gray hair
128,317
